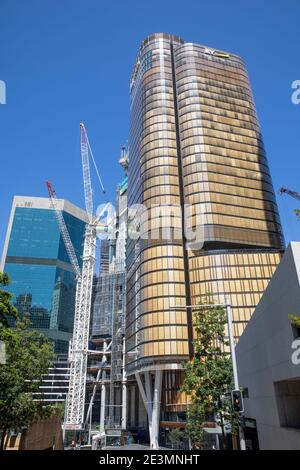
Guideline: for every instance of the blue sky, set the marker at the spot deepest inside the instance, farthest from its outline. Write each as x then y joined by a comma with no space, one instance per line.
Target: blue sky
66,61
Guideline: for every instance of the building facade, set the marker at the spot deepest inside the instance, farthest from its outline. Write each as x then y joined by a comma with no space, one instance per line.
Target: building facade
42,278
208,221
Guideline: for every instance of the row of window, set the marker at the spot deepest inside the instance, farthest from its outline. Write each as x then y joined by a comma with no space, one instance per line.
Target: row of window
196,127
162,290
208,103
236,235
199,85
164,348
151,313
225,168
163,276
229,110
217,113
163,332
254,162
237,180
214,115
231,171
231,286
158,304
228,193
235,259
214,75
202,208
210,197
185,56
200,135
222,98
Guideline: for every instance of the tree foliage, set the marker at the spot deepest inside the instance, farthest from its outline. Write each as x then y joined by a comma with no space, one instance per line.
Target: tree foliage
208,376
7,310
28,357
177,436
295,320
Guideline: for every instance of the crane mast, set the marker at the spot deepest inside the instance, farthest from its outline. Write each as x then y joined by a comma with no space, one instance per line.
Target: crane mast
79,347
78,352
75,404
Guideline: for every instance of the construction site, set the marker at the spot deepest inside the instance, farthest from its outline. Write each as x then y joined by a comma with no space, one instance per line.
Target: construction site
99,392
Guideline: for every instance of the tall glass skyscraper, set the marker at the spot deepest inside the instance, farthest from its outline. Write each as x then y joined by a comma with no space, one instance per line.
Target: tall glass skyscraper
42,277
195,141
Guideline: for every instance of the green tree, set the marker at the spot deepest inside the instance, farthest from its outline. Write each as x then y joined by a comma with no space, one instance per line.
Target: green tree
7,310
28,357
208,376
295,320
177,436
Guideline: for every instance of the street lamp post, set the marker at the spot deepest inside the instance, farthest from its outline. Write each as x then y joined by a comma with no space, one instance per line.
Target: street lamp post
234,366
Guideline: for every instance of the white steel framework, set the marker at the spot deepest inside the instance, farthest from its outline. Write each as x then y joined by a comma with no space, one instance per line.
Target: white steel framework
79,349
75,403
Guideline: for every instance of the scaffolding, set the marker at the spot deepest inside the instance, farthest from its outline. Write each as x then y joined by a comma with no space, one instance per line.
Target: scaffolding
109,395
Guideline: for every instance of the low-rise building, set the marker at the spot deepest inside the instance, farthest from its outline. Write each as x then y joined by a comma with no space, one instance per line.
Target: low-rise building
268,355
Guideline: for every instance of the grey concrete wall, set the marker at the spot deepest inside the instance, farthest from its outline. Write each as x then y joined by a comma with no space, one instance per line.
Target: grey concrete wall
264,353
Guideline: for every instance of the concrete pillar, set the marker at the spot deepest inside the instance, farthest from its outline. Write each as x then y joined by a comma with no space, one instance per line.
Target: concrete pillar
148,400
152,405
132,410
124,390
102,408
154,436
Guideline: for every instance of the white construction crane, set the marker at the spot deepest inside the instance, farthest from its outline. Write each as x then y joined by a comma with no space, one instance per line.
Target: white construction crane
75,403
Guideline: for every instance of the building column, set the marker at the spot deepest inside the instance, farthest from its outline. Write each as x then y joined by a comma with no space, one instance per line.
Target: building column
151,400
148,401
154,438
124,390
132,410
102,408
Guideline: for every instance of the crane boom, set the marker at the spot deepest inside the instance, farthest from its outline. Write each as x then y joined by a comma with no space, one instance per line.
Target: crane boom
291,193
87,185
63,229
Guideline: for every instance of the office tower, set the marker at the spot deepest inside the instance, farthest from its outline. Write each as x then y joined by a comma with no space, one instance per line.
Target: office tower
195,144
35,257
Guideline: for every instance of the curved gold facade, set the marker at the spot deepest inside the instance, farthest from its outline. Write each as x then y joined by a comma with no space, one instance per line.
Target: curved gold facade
156,274
194,139
225,171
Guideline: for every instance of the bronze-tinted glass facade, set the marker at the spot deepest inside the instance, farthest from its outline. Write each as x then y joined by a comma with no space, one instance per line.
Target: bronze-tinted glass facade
194,139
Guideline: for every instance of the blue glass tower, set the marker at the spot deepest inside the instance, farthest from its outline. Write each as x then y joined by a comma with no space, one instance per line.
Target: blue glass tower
34,256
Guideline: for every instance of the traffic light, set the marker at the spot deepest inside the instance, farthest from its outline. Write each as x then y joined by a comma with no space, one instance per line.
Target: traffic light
237,401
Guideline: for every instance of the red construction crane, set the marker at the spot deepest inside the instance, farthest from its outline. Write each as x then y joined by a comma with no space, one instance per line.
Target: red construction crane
63,229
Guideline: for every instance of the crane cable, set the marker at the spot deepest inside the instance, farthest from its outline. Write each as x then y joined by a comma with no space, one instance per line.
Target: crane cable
94,162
